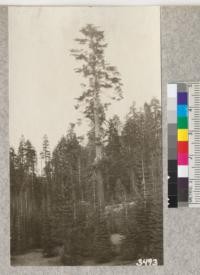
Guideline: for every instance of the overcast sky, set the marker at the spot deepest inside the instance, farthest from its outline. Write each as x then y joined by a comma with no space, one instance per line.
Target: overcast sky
42,83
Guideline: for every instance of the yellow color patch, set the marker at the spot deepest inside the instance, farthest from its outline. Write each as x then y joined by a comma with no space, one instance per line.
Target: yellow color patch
182,135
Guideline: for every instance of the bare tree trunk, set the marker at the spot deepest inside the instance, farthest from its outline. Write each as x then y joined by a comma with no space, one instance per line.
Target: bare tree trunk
73,194
143,181
94,188
98,149
133,183
125,204
136,194
81,197
100,188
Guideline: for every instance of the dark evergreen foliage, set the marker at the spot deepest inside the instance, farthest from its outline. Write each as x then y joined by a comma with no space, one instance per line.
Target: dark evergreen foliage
102,246
60,207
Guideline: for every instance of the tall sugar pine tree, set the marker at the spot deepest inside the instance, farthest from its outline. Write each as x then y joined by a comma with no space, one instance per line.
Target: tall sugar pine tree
100,77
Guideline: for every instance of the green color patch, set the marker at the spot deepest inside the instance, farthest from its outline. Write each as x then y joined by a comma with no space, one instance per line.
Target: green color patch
182,122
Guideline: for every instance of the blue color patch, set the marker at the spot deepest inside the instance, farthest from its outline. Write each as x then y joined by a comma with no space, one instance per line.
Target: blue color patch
182,110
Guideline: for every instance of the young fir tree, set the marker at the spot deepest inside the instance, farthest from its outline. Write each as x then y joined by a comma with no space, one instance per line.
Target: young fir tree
153,116
102,246
114,162
47,194
17,211
60,173
67,227
100,77
45,156
131,150
29,196
21,159
23,210
141,136
133,159
13,209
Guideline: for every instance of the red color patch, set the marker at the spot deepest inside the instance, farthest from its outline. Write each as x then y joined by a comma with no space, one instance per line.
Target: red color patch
182,147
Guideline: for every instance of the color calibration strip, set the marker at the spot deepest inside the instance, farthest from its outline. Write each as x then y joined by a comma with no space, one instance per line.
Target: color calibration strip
172,145
183,114
182,144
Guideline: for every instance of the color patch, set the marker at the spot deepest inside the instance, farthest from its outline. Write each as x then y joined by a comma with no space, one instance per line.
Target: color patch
172,154
172,116
172,144
182,158
182,171
172,90
182,110
182,146
182,98
183,191
182,122
182,134
171,104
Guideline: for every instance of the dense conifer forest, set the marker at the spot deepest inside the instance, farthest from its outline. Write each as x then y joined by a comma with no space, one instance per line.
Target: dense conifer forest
99,200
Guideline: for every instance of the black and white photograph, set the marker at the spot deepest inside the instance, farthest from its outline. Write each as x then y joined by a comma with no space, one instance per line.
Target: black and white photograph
85,136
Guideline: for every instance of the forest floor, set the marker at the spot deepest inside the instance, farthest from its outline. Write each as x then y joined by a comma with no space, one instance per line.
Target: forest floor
36,258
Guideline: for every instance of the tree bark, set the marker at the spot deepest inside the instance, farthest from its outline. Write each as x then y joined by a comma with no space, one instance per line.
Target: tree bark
98,149
98,144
